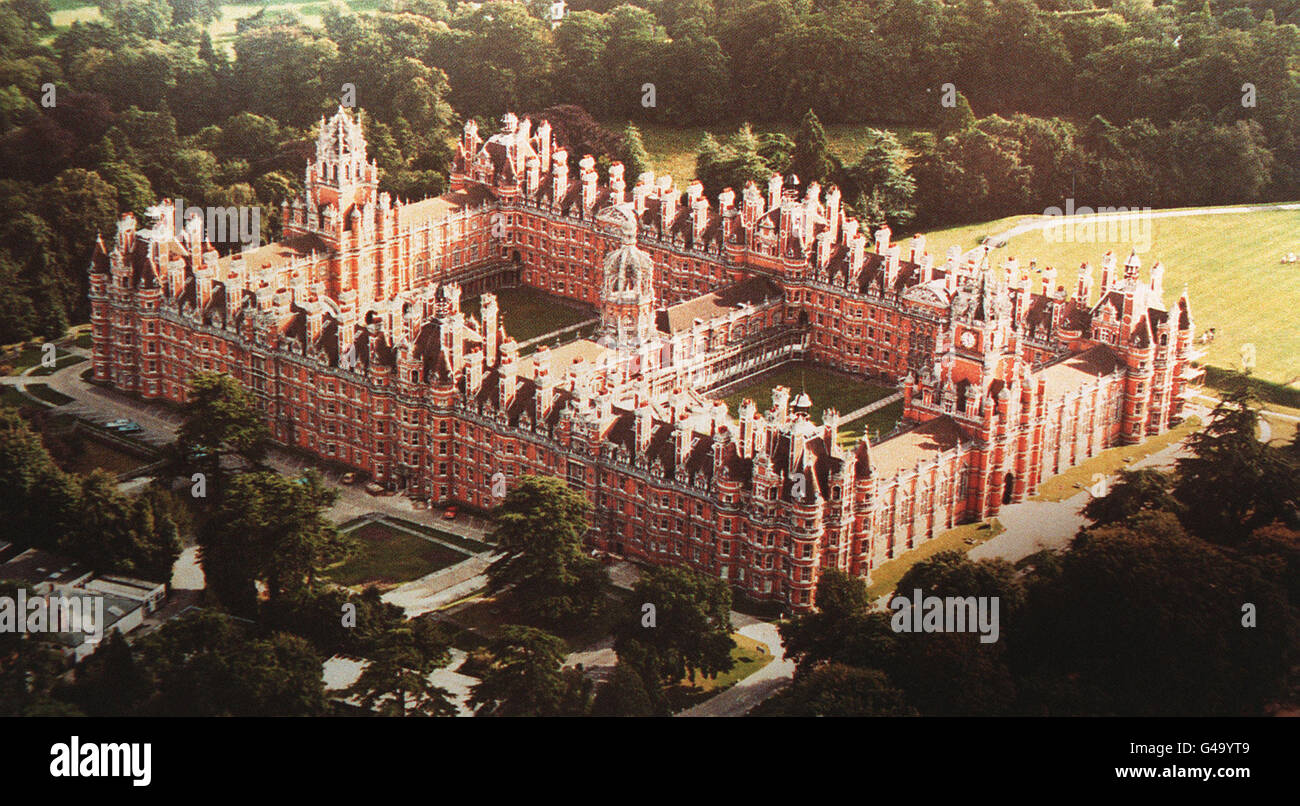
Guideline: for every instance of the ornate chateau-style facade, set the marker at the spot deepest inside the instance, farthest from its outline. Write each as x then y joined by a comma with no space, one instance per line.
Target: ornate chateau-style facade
349,332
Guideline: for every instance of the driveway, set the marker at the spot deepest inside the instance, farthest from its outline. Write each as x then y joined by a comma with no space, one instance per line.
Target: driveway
741,698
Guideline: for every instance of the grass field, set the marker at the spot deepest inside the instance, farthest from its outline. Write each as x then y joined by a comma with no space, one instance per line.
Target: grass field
748,656
528,313
47,394
67,12
885,578
10,396
388,557
826,388
465,543
876,425
63,360
1230,263
222,29
1109,462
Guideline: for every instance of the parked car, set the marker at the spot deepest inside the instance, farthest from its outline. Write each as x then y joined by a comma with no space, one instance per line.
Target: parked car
131,427
375,489
116,424
449,514
348,478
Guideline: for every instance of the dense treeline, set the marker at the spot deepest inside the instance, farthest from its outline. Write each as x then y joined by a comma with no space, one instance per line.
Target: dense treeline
84,516
1114,103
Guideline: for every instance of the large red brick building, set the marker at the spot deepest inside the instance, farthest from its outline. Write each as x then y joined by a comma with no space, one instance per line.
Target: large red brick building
349,332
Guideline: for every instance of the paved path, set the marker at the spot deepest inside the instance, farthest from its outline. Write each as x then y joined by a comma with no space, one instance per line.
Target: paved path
870,407
597,661
741,698
442,587
1032,526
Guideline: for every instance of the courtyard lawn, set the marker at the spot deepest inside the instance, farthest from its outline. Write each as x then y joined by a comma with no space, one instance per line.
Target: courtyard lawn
1230,263
885,578
748,656
1109,462
672,148
47,394
827,388
463,543
528,313
389,557
878,424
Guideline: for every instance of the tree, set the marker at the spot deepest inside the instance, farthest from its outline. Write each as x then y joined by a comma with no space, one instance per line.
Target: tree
1232,483
633,155
953,573
35,13
623,695
110,682
1144,621
145,18
841,691
539,531
395,683
524,678
29,668
735,162
271,529
220,420
680,625
120,534
206,664
877,187
811,160
41,503
841,630
1135,491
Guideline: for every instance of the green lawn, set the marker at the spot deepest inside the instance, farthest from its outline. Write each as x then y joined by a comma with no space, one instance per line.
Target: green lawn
389,557
464,543
748,656
885,577
1109,462
878,424
10,396
1230,263
222,29
26,357
528,312
672,149
47,394
63,360
828,389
